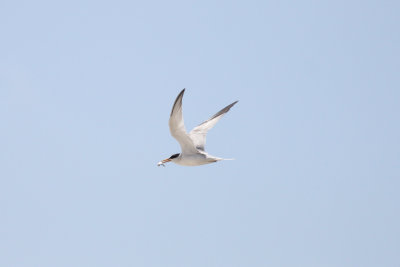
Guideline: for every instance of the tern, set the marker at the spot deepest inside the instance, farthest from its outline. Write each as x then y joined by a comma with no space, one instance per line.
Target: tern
193,143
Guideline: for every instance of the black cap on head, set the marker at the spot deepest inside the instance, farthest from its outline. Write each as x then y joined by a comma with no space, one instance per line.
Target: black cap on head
174,156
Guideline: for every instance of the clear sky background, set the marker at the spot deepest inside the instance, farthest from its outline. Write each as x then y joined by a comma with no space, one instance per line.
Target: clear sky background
86,88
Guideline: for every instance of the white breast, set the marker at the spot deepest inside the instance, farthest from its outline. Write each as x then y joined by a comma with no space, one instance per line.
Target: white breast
193,160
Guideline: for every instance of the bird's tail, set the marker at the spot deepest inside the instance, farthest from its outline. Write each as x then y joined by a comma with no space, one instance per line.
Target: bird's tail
218,159
215,159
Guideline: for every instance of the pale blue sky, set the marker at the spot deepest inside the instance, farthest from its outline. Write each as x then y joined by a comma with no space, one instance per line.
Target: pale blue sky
86,88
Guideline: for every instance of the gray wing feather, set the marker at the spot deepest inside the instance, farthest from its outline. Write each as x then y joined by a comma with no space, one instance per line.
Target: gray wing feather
177,126
198,134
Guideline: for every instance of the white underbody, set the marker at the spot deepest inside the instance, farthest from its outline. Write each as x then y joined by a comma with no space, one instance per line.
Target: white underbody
195,159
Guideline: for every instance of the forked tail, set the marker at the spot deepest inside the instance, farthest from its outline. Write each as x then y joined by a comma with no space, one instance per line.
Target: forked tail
218,159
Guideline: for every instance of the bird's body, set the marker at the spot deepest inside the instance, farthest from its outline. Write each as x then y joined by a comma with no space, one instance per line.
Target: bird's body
193,143
197,159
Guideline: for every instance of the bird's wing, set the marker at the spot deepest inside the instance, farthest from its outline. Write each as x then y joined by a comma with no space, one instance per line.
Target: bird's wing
177,127
198,134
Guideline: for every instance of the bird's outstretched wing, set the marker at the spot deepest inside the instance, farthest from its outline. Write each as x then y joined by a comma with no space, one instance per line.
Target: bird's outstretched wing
198,134
177,127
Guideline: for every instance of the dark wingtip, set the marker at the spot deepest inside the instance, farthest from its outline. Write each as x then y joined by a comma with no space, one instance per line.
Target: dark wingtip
177,98
222,111
181,92
231,105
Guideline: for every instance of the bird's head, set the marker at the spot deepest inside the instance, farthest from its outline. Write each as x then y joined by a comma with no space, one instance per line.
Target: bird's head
174,156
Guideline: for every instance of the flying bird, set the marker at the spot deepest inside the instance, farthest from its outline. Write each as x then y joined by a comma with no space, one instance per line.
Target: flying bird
193,143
